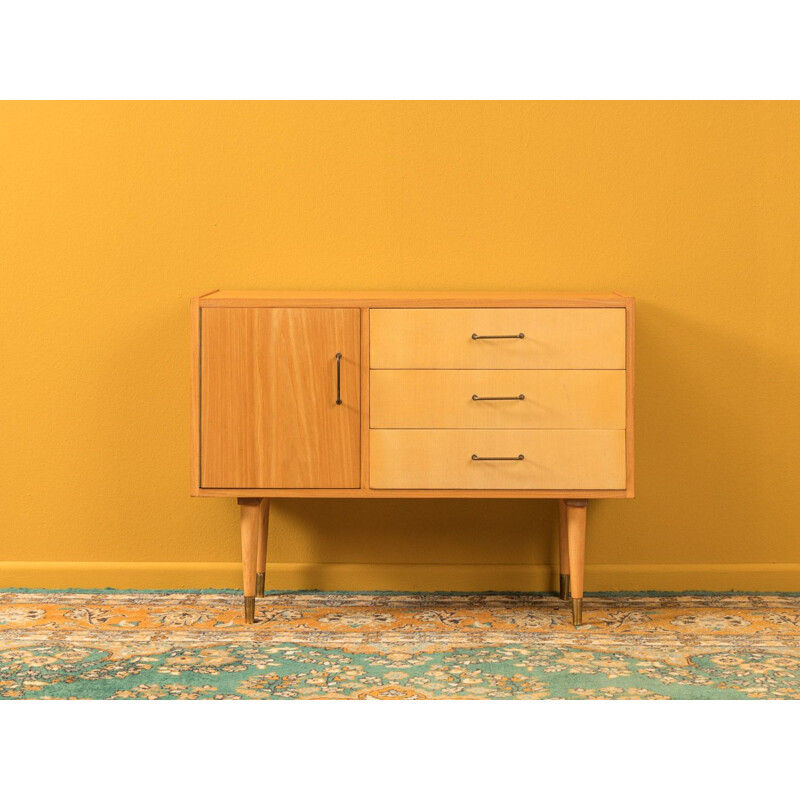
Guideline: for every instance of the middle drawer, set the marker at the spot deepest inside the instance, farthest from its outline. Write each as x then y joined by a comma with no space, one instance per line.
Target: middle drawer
580,399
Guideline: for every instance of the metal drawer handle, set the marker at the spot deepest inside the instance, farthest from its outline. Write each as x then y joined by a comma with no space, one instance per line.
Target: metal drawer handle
520,457
518,397
338,379
511,336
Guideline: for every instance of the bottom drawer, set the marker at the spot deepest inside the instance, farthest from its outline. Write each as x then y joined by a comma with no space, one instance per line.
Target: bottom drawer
442,459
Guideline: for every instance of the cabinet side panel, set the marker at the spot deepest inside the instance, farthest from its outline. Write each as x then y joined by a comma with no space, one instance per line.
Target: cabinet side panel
365,398
194,382
630,315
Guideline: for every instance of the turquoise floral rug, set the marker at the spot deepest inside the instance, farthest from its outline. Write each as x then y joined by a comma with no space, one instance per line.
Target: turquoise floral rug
382,646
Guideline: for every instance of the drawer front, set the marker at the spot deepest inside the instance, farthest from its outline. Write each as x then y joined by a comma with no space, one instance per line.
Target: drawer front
409,398
553,338
442,459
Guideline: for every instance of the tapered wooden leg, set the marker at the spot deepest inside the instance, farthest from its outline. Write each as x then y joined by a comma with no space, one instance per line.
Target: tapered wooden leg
563,551
251,527
263,530
576,534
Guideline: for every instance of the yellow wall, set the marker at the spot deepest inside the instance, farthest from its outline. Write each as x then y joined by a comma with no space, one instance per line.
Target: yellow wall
113,214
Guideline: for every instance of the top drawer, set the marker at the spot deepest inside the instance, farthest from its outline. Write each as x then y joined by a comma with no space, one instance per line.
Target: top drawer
552,338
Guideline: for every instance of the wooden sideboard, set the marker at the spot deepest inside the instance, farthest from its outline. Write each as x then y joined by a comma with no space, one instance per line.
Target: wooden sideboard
412,394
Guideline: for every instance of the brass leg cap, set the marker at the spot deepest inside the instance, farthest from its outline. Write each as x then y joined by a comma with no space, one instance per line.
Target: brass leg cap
577,610
564,586
259,584
249,610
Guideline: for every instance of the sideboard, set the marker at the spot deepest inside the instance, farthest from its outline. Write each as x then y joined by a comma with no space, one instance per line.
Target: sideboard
412,394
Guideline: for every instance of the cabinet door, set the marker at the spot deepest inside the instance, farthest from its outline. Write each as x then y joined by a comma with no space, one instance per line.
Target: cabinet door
268,392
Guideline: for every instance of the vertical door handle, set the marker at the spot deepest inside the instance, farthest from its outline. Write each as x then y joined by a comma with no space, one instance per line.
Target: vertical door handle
338,379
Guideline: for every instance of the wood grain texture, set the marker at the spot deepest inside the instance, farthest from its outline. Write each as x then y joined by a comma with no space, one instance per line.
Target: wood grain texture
443,399
250,511
263,535
268,398
555,338
442,459
576,534
563,542
365,299
486,494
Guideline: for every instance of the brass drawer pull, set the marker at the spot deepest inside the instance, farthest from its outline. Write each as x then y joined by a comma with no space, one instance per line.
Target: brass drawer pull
520,457
517,397
510,336
338,379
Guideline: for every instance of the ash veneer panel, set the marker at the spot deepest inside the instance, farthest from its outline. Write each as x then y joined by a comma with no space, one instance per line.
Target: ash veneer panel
442,459
551,398
554,338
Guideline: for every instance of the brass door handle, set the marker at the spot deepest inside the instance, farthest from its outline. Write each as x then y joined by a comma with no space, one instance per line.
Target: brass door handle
509,336
338,379
516,397
520,457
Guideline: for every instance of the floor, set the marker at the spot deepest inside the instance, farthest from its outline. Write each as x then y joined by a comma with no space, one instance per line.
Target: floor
337,645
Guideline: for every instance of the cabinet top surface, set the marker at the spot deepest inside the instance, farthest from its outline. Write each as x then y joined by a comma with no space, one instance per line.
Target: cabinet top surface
367,298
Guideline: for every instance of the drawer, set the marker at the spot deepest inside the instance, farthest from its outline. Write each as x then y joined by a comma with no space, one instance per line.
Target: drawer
410,398
442,459
552,338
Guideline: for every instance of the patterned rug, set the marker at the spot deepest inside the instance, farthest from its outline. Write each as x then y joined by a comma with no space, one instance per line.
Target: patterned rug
397,646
